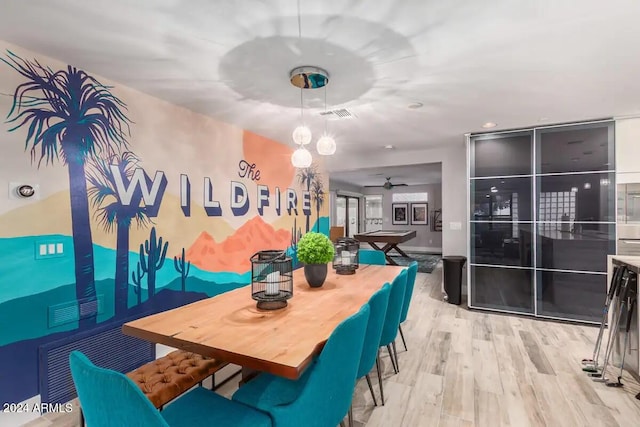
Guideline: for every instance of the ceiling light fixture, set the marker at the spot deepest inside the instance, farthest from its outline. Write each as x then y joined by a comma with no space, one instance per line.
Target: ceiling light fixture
415,105
389,147
489,125
307,77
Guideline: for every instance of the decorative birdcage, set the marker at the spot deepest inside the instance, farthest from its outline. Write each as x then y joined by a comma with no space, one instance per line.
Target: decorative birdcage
271,279
346,260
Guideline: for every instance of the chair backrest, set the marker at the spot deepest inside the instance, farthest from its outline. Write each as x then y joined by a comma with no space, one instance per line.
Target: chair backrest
326,396
370,256
408,293
108,398
396,299
378,304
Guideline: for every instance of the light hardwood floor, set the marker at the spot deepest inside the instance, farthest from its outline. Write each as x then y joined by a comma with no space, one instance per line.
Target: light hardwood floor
470,368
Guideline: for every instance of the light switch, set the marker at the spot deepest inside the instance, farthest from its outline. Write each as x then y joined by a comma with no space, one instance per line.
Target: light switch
455,226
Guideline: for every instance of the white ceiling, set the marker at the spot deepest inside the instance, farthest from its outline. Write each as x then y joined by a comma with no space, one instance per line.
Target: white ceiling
468,62
429,173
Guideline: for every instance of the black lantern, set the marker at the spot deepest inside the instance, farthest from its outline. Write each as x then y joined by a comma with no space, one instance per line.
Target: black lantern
271,279
345,260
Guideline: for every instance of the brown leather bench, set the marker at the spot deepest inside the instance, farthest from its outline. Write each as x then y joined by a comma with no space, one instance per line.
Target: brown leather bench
166,378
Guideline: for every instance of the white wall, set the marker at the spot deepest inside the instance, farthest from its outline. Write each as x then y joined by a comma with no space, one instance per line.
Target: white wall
425,240
627,150
454,184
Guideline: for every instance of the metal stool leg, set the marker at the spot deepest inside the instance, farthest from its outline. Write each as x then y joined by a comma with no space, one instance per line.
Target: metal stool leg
373,395
402,336
379,377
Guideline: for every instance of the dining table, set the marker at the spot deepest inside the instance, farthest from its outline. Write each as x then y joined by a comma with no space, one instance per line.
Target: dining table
283,342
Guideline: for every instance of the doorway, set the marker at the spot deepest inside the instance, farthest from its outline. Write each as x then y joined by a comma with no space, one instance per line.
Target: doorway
348,214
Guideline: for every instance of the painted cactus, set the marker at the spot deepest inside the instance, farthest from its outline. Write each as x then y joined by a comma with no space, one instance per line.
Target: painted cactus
156,253
182,266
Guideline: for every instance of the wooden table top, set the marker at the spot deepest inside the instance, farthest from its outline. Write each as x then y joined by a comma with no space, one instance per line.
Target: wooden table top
386,236
283,342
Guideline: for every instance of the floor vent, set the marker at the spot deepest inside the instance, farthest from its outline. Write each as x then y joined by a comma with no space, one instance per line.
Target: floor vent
105,345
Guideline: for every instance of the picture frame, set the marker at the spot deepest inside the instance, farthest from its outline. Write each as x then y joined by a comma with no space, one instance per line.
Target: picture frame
419,213
400,214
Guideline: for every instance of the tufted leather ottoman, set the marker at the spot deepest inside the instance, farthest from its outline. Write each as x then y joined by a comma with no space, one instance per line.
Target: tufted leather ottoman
164,379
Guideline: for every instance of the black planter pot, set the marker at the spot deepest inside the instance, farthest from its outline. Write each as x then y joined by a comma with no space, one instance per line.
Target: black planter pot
315,274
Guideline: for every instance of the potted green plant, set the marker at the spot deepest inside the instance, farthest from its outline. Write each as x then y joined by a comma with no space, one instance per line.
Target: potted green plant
315,250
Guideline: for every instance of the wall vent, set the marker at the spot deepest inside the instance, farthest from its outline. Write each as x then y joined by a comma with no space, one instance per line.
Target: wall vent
340,114
105,345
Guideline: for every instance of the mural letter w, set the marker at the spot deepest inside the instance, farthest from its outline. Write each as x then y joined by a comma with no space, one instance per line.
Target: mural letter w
139,185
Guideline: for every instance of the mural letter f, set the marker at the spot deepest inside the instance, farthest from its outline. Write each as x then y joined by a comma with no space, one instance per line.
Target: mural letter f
138,188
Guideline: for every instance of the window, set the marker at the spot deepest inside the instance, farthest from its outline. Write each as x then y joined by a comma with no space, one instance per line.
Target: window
410,197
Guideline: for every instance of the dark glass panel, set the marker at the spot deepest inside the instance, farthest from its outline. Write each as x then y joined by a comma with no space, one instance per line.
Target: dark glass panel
582,247
576,296
582,197
501,243
502,288
501,199
580,148
500,155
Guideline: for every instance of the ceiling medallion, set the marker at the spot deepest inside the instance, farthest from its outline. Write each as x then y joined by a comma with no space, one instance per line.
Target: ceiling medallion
309,77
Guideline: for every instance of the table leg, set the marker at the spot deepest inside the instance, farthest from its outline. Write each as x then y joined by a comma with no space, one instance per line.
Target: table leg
386,250
400,251
247,375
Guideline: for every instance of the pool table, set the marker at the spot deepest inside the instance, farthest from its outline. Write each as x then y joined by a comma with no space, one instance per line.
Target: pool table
390,238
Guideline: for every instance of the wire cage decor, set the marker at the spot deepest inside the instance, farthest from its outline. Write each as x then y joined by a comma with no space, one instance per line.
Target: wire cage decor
346,259
271,279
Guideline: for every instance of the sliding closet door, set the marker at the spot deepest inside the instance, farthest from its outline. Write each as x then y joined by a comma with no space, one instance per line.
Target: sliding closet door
501,220
542,220
575,199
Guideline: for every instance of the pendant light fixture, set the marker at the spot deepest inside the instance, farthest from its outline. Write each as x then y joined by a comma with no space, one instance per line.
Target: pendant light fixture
326,145
307,77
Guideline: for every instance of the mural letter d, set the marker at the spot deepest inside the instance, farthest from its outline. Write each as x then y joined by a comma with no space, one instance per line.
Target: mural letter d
239,198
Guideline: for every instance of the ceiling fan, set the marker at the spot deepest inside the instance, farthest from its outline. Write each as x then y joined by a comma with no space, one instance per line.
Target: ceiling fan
388,185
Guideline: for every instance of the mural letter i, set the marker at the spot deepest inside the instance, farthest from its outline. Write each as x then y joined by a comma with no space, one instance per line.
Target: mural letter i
185,195
278,204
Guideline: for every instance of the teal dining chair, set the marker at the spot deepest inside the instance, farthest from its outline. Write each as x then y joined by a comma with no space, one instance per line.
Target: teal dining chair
370,256
322,396
408,294
378,304
391,323
110,399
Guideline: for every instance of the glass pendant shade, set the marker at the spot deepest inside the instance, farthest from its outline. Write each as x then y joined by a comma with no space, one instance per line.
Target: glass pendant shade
326,145
301,158
302,135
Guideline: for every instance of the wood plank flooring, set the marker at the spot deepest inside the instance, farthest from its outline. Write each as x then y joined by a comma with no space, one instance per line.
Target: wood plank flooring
471,368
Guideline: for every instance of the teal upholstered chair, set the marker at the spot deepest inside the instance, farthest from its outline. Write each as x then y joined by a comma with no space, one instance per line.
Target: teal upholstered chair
391,323
322,396
411,281
110,399
369,256
378,304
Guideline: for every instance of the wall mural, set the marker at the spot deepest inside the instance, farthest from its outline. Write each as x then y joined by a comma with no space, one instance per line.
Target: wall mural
130,220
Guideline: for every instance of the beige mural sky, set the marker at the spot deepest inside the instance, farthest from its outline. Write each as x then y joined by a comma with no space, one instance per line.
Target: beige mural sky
164,136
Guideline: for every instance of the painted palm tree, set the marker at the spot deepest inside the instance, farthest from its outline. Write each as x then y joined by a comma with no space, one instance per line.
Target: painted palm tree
70,117
317,195
306,177
112,214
